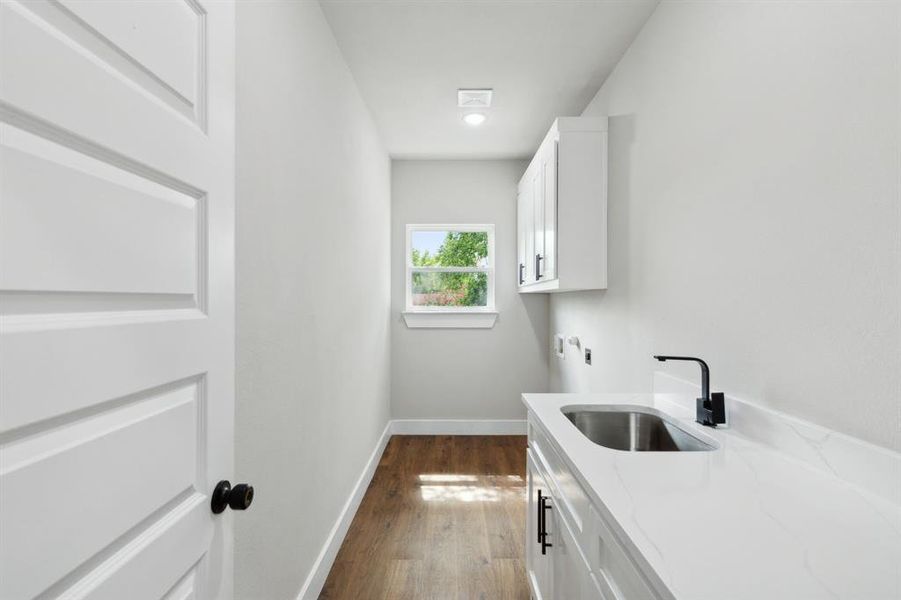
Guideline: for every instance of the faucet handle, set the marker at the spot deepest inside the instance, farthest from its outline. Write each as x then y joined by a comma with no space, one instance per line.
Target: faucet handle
711,412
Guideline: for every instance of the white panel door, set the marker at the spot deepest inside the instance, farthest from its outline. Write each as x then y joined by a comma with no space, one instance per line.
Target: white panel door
116,297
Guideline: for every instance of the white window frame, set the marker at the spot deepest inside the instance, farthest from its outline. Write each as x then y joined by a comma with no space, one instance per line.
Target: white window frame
449,316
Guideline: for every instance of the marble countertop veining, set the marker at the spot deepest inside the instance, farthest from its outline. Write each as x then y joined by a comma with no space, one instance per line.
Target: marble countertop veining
744,521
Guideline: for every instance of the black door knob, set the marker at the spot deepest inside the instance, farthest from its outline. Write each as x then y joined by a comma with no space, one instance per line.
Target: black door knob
238,497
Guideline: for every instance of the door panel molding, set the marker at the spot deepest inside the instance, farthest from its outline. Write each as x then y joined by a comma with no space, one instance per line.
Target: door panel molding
185,94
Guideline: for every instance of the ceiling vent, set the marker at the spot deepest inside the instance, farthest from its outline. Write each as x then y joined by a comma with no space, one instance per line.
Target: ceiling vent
474,98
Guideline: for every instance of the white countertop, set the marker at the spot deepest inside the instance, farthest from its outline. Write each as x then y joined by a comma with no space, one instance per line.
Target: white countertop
742,521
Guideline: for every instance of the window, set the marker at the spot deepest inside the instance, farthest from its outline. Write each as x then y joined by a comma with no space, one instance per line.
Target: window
450,270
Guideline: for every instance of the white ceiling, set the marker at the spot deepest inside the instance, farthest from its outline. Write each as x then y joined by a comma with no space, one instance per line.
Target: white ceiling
543,58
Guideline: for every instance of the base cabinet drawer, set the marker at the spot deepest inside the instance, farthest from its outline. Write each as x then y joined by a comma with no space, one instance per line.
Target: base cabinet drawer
602,587
616,574
573,498
572,578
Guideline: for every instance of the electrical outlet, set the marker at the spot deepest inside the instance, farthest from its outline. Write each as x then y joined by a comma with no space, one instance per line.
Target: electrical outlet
587,356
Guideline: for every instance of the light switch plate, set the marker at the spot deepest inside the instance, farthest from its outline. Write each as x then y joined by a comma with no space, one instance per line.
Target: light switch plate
559,339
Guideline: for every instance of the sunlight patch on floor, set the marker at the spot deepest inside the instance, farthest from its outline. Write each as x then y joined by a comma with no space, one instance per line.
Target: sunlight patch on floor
447,487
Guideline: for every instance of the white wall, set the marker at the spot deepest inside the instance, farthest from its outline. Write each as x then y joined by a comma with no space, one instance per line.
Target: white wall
313,291
755,217
464,373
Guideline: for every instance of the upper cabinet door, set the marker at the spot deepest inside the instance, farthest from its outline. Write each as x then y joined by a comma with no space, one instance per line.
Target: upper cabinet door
527,227
520,242
549,208
538,255
543,182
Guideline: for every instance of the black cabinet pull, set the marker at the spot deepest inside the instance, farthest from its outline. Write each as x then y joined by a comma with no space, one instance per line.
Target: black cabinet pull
522,277
542,522
538,259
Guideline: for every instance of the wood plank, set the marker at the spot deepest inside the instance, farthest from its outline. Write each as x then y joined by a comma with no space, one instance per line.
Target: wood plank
404,580
472,549
444,517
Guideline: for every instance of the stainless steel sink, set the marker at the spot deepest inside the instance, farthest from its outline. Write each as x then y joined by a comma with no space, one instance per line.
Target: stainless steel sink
634,429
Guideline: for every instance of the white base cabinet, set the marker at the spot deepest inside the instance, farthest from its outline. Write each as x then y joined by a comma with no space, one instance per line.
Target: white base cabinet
555,564
562,210
537,557
571,552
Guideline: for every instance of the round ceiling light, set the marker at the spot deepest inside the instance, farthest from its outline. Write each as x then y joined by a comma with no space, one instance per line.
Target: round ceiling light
474,119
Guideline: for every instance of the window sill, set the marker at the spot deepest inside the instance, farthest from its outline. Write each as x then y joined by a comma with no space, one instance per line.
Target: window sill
446,319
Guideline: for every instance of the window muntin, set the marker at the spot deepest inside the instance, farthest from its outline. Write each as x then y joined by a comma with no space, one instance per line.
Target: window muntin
450,268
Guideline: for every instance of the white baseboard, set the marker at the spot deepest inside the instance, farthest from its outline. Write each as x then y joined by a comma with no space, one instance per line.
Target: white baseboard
319,573
458,427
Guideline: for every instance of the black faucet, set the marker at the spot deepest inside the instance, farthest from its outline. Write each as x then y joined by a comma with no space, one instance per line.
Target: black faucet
711,408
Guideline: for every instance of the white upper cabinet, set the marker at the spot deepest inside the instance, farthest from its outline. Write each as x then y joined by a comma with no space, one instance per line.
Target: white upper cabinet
562,210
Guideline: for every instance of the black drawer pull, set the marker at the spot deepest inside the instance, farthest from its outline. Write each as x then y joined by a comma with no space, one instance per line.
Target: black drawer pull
543,506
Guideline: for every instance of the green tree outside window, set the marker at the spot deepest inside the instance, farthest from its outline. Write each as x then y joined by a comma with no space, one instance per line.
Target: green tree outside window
459,249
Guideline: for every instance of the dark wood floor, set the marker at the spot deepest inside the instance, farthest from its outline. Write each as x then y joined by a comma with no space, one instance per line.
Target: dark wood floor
444,517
